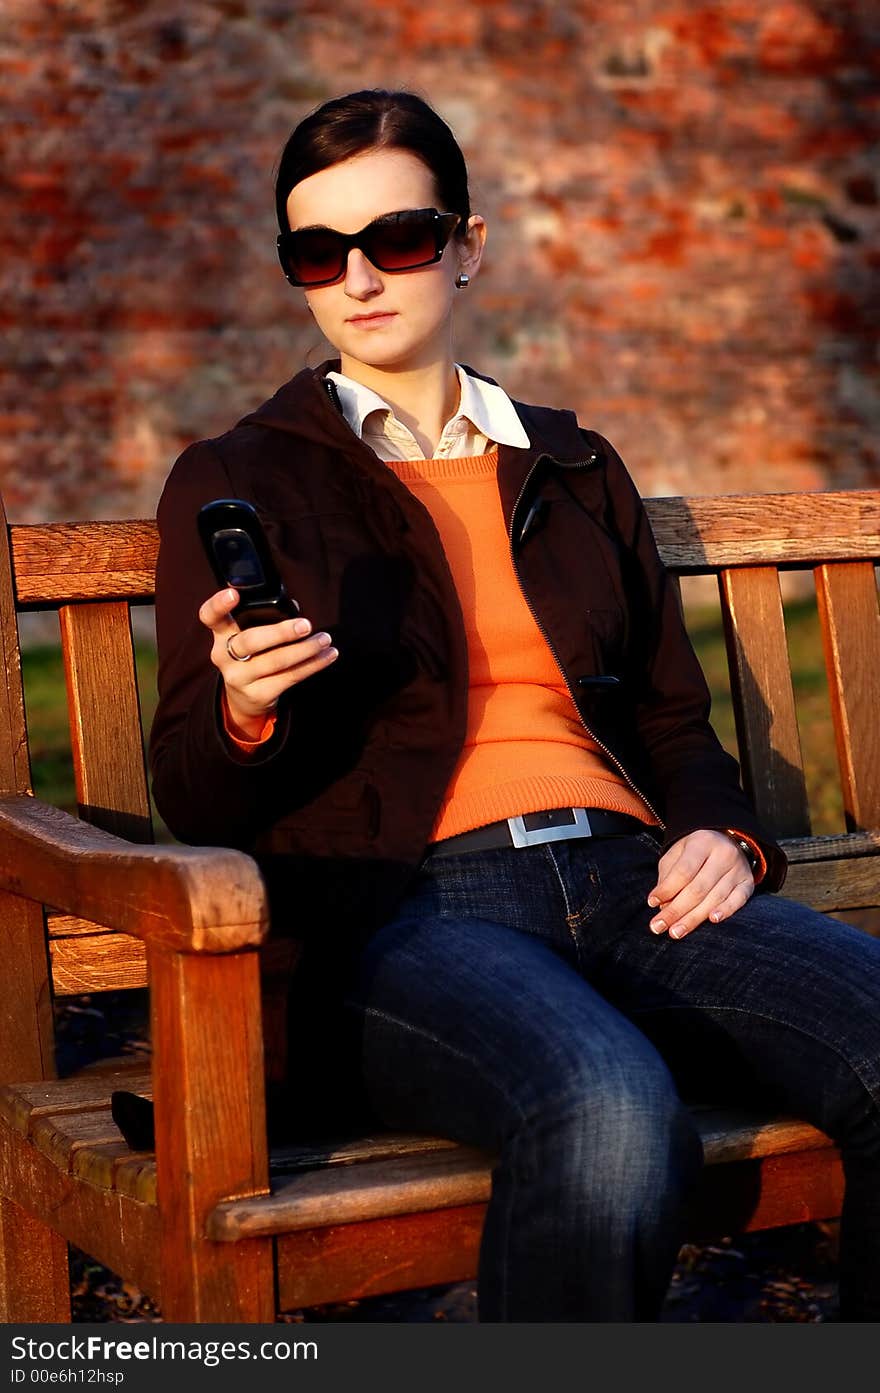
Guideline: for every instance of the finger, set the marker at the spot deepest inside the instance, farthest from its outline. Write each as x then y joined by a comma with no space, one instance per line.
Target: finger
281,658
267,691
691,895
675,874
681,926
214,613
741,893
262,638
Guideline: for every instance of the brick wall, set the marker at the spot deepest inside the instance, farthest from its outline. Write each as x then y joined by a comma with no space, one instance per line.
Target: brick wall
683,209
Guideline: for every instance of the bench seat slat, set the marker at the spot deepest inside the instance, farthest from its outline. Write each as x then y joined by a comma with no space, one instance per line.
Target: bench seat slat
348,1181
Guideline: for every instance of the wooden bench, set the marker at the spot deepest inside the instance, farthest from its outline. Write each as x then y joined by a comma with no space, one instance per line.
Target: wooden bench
212,1225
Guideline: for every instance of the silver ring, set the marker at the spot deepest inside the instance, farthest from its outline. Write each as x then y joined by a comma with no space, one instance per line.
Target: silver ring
239,657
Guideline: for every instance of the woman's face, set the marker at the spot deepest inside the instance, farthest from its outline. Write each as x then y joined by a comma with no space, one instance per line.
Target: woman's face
388,321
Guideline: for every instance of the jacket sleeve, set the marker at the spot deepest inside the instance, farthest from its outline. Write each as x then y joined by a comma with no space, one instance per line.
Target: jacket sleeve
698,781
206,789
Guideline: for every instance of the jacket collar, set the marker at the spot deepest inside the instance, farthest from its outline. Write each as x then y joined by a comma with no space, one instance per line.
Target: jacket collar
305,407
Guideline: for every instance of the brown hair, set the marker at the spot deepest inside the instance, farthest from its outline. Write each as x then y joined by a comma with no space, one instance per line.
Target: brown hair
373,120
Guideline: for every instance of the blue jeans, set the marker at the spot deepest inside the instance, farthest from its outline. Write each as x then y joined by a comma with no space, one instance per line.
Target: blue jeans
518,1002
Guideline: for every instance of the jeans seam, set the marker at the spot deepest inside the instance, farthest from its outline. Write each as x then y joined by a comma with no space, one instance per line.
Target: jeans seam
573,918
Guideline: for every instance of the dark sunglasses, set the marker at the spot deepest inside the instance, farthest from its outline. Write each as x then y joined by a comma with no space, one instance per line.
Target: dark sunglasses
402,241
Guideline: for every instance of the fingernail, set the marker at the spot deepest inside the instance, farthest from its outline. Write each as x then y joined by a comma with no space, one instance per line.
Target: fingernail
323,639
301,626
653,901
657,926
332,653
676,931
230,595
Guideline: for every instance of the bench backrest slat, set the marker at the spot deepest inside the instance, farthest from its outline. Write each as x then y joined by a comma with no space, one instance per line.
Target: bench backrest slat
763,698
848,612
105,718
97,963
699,535
60,562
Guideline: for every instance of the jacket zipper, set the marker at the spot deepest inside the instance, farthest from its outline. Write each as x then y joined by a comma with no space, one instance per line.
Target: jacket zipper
592,734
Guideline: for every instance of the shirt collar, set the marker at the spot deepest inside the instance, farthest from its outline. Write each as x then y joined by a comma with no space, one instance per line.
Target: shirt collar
484,404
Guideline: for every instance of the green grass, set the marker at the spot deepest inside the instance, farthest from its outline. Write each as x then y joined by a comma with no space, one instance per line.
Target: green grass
53,767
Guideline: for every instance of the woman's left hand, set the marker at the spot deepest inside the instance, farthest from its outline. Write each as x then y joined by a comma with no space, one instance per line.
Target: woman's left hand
702,876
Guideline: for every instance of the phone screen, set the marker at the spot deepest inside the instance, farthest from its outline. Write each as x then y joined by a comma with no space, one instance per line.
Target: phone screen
237,558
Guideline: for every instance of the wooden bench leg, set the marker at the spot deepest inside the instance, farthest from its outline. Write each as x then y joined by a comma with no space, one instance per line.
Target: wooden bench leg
34,1277
210,1133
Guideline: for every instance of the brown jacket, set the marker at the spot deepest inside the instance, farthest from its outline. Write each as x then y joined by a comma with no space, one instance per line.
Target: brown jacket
338,805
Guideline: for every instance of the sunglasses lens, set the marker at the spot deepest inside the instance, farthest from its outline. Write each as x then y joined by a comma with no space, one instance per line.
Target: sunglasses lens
313,256
402,244
398,242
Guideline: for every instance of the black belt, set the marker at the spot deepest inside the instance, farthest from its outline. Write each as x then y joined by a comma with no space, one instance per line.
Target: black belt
531,829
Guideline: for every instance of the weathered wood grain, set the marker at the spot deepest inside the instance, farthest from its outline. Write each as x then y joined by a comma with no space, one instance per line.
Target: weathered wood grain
97,963
26,1026
34,1281
63,562
832,886
79,1094
351,1194
848,612
195,899
115,1229
382,1255
837,846
697,535
416,1175
210,1112
105,719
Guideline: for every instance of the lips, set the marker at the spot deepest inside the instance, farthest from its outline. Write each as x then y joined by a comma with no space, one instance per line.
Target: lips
366,321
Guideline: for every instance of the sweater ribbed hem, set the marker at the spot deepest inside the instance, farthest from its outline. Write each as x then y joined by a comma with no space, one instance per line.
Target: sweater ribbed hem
464,812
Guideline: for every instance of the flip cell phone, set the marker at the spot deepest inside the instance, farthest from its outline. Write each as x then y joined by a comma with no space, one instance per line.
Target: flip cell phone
238,551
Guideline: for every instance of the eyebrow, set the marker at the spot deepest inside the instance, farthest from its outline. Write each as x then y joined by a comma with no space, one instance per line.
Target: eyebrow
325,227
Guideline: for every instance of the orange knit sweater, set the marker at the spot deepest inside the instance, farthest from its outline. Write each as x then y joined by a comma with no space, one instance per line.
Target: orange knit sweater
526,748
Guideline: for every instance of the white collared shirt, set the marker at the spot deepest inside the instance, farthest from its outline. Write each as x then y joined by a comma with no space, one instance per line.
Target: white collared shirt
485,416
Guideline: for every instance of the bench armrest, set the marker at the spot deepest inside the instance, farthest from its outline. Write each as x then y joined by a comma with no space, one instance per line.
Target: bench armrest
186,899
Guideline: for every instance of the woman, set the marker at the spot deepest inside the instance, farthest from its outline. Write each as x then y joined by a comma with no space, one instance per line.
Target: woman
478,766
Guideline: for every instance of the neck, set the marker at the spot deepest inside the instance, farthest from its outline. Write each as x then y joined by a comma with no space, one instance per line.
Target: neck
423,398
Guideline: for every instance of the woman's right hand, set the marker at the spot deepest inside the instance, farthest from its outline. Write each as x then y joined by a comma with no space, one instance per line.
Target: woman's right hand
276,657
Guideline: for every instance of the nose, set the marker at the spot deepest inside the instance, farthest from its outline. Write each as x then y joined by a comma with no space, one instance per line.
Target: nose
362,280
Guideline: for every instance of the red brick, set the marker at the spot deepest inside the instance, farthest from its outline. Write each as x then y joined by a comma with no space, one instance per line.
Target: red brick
689,296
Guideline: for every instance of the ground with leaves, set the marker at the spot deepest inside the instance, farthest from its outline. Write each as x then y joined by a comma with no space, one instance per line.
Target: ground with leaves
789,1275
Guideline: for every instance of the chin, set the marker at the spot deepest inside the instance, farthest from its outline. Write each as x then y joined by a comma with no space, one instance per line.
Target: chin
383,355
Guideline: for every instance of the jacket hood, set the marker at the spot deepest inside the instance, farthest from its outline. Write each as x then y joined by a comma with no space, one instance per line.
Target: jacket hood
304,407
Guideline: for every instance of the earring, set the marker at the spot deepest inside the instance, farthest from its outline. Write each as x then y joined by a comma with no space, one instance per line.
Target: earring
462,280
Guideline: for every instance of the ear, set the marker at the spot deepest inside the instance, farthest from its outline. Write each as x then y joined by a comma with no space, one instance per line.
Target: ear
470,247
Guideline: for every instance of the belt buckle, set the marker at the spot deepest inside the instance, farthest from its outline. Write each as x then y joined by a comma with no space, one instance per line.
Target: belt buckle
521,837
